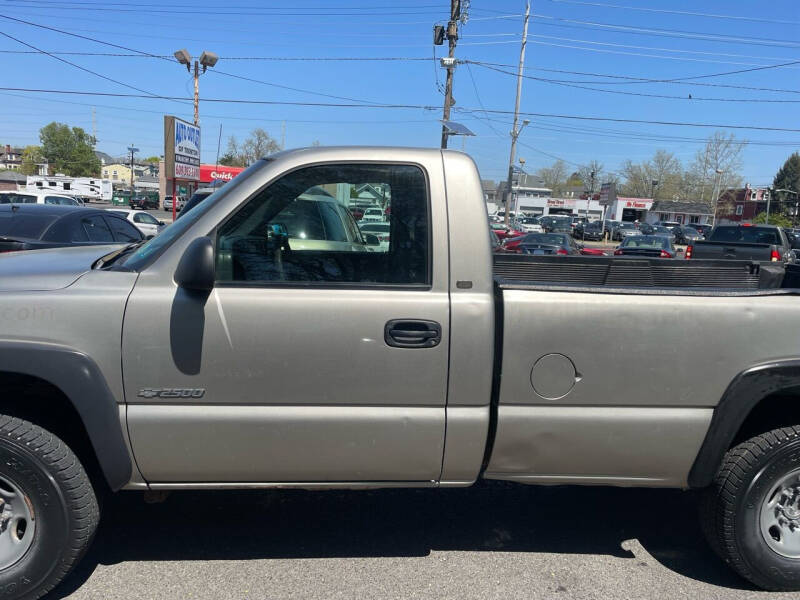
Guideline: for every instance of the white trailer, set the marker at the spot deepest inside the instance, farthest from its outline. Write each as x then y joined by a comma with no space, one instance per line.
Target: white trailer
85,188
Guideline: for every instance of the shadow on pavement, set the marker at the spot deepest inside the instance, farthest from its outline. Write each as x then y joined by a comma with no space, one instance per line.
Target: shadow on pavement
242,525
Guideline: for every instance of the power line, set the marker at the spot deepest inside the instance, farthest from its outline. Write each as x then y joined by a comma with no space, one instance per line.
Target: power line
407,106
688,98
630,80
680,12
72,64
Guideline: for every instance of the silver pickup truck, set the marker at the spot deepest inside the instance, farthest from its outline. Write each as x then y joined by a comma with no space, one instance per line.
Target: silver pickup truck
264,341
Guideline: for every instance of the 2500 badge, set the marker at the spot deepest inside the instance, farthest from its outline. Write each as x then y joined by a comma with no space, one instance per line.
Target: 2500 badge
172,392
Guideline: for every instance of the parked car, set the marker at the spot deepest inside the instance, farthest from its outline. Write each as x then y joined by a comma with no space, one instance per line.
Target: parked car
560,226
36,226
561,244
178,206
143,221
373,214
382,230
668,223
647,246
199,195
686,235
744,242
625,229
589,231
549,222
503,232
529,225
703,228
610,226
662,230
38,197
143,202
495,242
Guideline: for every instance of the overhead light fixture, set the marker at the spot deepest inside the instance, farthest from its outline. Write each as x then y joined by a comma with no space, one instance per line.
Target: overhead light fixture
208,59
183,57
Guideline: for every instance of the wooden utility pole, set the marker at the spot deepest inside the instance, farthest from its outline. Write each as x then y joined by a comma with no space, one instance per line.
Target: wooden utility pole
196,97
514,131
452,38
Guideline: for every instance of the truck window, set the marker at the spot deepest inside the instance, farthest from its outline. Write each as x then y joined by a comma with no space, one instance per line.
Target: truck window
748,235
301,228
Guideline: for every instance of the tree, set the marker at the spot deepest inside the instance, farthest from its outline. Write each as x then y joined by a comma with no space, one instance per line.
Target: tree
774,219
152,159
722,152
69,150
258,145
554,176
585,173
664,169
788,176
32,157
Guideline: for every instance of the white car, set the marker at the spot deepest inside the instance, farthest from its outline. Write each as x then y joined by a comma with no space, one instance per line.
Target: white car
373,215
143,221
529,225
380,230
38,197
168,203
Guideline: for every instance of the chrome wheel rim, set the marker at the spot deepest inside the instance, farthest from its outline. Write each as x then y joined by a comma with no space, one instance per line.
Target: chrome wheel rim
17,523
780,516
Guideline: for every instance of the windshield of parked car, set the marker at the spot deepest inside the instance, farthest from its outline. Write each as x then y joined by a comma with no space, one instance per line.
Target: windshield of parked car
627,226
748,235
646,241
662,229
15,225
375,227
552,239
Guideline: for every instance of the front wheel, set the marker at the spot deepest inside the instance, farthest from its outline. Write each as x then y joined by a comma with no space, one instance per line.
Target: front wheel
752,511
48,509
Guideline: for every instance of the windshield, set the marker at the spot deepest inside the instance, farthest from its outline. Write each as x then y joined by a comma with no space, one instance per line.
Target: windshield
646,241
627,226
552,239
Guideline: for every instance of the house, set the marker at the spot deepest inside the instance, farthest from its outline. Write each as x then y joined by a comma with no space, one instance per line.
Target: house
489,190
680,212
11,181
105,159
120,173
741,205
10,158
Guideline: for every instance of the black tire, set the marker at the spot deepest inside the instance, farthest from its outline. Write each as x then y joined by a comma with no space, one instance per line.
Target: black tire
61,497
731,508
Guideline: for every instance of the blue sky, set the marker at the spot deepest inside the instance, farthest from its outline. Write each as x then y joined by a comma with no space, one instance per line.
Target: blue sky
630,38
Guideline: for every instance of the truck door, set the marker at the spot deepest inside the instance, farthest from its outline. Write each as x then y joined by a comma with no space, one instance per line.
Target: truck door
321,353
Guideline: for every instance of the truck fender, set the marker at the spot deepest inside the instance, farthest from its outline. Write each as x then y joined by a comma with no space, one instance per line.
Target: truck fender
742,395
81,381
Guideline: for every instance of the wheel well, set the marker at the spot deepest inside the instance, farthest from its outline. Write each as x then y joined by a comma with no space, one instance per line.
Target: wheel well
779,409
40,402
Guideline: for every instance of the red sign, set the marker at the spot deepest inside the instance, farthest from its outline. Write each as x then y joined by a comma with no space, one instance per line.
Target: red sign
209,173
642,204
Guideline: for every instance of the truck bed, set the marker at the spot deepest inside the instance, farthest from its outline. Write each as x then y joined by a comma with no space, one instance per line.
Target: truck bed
644,275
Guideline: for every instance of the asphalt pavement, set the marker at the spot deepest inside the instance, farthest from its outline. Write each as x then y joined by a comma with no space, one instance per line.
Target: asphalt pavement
493,541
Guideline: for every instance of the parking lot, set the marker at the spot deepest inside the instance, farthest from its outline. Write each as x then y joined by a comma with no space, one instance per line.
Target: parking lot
493,541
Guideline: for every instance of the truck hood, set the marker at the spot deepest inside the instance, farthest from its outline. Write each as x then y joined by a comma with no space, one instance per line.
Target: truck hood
50,269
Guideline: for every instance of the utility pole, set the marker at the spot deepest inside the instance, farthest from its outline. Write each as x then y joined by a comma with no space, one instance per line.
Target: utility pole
94,125
207,59
716,192
452,38
196,94
514,131
132,150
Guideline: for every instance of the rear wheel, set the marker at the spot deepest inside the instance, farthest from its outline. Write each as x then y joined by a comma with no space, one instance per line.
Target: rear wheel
48,509
752,512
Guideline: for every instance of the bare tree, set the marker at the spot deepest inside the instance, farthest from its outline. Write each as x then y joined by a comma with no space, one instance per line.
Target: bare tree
554,176
585,173
722,152
660,177
258,145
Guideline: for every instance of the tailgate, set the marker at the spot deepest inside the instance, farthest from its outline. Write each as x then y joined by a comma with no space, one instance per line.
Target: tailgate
732,250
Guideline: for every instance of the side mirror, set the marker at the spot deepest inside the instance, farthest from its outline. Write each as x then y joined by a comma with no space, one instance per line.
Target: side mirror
372,240
196,270
161,223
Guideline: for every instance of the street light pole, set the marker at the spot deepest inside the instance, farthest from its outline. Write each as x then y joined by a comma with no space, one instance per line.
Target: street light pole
514,131
207,59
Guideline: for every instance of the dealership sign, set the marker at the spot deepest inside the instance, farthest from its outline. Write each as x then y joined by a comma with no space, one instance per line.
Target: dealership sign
181,149
209,173
561,202
639,204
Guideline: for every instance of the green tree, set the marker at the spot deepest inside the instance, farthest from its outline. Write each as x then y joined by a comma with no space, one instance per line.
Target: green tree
69,150
778,219
32,157
152,159
788,178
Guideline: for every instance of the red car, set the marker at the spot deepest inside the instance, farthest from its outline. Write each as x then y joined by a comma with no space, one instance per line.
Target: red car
592,252
502,232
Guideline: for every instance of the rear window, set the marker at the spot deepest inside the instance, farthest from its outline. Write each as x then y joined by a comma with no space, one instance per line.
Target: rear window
748,235
544,238
24,226
15,198
60,200
645,242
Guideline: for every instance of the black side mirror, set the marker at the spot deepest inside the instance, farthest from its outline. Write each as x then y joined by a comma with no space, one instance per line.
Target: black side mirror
161,223
372,240
196,270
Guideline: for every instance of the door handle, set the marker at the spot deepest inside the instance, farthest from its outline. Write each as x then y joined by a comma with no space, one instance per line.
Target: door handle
412,333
